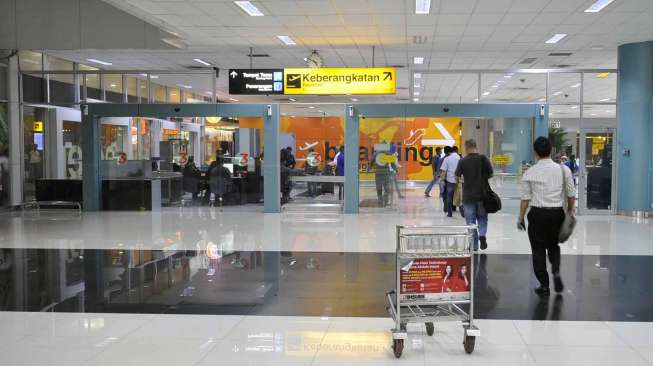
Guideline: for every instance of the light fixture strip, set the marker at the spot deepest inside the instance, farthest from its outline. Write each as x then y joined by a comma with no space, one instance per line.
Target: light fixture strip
249,8
556,38
199,60
598,6
422,7
287,40
94,60
418,60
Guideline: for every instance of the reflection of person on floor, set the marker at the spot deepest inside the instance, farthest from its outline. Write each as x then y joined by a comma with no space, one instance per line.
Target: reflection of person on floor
447,281
461,282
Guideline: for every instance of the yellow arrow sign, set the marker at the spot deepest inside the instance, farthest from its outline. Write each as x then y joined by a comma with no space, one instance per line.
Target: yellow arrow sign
340,81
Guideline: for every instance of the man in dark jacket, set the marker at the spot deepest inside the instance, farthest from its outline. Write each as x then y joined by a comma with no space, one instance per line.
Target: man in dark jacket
435,165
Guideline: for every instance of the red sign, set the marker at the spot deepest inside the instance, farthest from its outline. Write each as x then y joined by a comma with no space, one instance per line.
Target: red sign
435,278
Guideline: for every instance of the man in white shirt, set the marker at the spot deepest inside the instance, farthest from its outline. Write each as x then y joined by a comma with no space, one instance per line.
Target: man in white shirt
542,190
448,172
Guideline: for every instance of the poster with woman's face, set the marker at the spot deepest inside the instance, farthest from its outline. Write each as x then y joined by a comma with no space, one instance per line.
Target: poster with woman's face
435,279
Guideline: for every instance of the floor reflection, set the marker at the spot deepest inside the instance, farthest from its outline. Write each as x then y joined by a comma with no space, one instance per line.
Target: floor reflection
219,280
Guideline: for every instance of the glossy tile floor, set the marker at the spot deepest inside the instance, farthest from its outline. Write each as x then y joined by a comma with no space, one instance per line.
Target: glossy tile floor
153,293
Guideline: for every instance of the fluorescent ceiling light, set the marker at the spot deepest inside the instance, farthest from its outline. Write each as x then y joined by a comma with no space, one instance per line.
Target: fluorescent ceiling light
417,75
557,93
542,100
249,8
418,60
604,100
113,85
598,6
208,92
556,38
354,99
575,85
287,40
151,76
495,86
508,76
292,99
417,86
486,93
422,6
415,99
185,86
233,100
105,63
311,107
574,107
199,60
416,94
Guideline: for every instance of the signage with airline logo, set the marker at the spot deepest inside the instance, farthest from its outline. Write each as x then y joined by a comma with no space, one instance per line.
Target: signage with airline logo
256,81
38,126
340,81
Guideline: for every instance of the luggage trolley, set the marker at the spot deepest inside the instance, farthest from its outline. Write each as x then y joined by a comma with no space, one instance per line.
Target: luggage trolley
434,280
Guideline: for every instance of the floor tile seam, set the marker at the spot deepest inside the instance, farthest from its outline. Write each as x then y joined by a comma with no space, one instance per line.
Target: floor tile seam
632,347
326,331
525,344
208,352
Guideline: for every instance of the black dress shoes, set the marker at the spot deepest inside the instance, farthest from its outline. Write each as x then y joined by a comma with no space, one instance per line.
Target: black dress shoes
543,291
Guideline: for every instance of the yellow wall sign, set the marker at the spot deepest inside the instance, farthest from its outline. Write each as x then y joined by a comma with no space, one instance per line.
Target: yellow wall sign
339,81
503,159
38,126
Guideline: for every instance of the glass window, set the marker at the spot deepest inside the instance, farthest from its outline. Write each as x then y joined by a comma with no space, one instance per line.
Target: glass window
113,88
446,88
513,88
564,88
599,115
62,86
72,144
93,89
174,95
115,139
34,127
600,87
143,90
132,89
33,83
564,123
159,93
30,61
4,156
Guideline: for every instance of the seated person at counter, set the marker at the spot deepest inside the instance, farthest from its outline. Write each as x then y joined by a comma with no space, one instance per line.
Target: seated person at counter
219,180
192,178
311,168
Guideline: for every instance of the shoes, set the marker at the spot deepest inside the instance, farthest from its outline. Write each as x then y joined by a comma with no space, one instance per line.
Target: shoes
449,215
543,291
557,284
483,241
427,195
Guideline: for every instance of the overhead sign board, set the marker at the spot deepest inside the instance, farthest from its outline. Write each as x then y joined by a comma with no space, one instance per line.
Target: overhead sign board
256,81
339,81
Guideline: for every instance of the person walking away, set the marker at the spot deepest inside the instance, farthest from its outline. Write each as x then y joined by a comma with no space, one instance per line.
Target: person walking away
475,170
448,173
542,191
394,167
435,165
443,185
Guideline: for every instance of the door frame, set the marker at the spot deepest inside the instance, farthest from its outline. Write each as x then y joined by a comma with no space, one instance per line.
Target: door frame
582,175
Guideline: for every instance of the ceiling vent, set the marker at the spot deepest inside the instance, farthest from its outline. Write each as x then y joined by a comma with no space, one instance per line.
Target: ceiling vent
258,55
398,66
522,88
419,39
562,66
560,54
528,61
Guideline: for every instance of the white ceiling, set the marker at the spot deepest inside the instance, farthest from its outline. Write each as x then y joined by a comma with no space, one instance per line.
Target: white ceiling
460,34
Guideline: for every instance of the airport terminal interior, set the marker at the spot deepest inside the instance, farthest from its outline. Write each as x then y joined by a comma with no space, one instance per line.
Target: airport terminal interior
218,182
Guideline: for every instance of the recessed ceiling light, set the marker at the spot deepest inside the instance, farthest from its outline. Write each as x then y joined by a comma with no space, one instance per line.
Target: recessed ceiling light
495,86
486,93
575,85
199,60
598,6
417,86
105,63
354,99
311,107
321,111
604,100
574,107
417,75
557,93
417,60
542,100
556,38
287,40
249,8
415,99
416,94
508,76
476,99
185,86
113,85
209,92
422,6
233,100
292,99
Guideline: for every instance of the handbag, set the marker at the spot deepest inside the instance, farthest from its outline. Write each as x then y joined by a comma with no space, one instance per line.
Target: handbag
491,200
569,222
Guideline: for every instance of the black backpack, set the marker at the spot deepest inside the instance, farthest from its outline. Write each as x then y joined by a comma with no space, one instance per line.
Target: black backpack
491,200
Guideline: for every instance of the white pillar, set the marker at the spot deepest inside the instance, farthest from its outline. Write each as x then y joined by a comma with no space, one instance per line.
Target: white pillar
15,133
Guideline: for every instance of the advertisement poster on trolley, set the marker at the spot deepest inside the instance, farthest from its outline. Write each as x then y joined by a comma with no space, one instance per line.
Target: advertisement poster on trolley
435,279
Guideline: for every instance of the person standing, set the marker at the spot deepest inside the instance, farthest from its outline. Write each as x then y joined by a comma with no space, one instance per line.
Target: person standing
475,169
443,185
448,171
340,171
542,190
435,165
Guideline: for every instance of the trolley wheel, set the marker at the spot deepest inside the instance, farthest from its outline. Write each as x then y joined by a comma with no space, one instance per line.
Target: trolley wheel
398,347
469,343
430,328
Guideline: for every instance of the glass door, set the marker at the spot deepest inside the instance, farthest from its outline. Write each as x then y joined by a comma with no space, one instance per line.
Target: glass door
596,171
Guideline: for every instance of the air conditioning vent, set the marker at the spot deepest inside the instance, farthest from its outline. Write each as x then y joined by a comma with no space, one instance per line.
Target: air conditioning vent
419,39
562,66
528,60
560,54
258,55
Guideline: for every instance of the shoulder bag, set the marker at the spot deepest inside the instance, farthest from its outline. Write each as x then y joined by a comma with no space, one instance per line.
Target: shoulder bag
491,200
569,223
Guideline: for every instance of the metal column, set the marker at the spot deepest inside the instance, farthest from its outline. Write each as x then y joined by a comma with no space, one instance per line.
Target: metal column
351,159
271,163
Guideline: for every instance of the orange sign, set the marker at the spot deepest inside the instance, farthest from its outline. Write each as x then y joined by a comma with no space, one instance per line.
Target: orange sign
169,131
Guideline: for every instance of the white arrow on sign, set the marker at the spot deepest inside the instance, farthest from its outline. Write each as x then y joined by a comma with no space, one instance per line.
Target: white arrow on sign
233,74
447,141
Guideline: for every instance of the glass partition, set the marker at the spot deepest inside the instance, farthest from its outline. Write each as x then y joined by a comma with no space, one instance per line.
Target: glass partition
62,86
451,88
93,84
35,123
513,87
113,88
564,88
4,156
600,87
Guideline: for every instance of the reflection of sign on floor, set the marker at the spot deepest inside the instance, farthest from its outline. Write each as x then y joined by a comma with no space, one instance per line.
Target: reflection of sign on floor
503,159
337,344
